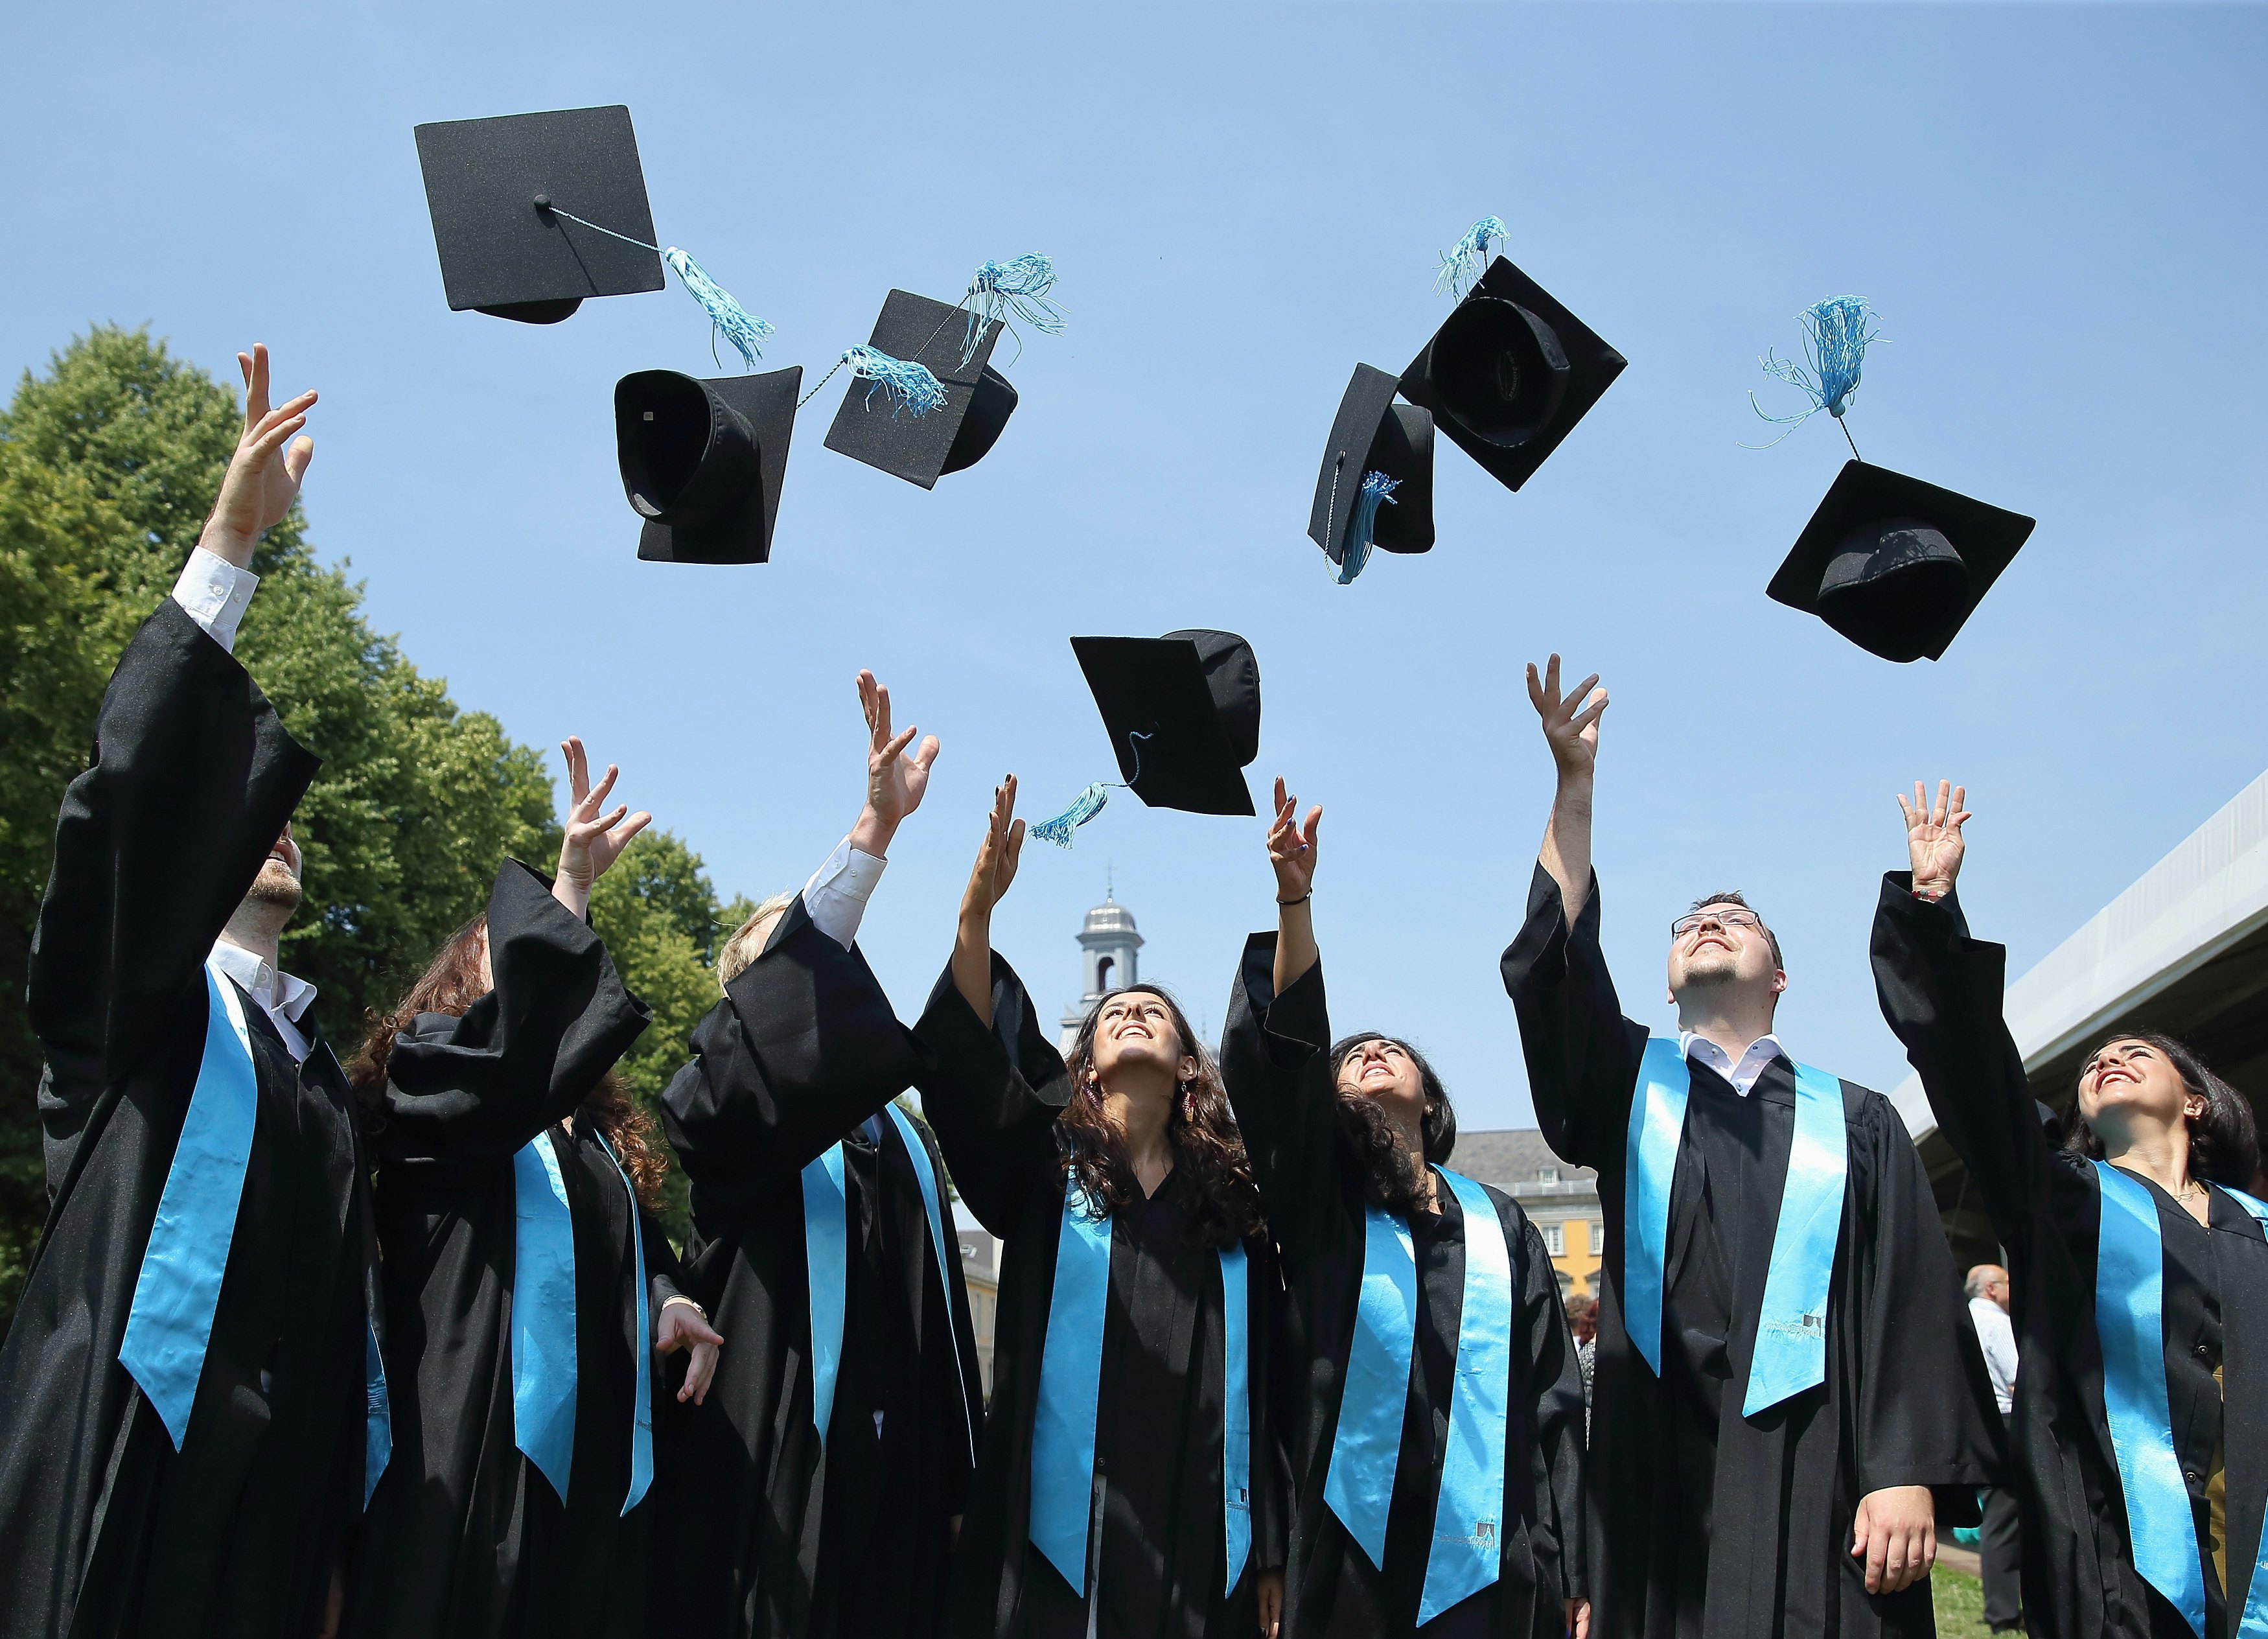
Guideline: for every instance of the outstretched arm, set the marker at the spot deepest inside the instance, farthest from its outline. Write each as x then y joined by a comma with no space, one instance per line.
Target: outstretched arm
835,897
1570,728
1292,850
988,882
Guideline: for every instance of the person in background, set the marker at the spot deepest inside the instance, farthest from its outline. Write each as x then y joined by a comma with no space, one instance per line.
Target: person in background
2001,1544
1583,1320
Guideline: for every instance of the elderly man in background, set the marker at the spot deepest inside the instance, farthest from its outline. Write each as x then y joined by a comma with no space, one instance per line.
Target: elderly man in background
2000,1542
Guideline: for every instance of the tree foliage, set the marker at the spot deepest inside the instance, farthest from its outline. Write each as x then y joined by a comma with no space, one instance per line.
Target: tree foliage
108,463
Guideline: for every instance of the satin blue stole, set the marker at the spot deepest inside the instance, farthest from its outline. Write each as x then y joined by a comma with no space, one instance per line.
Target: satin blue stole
2130,1277
1466,1553
826,1251
177,1289
1071,1384
1791,1353
543,1364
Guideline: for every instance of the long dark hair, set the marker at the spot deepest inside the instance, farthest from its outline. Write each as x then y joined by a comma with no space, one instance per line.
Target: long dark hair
451,984
2224,1145
1392,1177
1200,1127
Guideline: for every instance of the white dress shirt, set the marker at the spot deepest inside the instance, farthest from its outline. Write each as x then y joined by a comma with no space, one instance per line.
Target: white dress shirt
1742,1075
215,592
283,997
835,897
1998,1337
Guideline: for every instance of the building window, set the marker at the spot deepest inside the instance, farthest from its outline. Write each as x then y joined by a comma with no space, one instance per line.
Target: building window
1555,1238
1596,1237
1102,970
1546,1175
1566,1284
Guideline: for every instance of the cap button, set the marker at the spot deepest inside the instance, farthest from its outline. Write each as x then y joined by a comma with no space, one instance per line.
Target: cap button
544,201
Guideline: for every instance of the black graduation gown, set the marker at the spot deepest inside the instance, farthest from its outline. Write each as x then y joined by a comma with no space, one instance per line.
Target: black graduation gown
762,1532
993,1095
1940,991
104,1528
1276,1056
1691,1497
465,1538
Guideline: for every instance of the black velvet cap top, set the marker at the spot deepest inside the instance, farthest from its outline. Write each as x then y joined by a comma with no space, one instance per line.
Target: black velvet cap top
978,400
1183,712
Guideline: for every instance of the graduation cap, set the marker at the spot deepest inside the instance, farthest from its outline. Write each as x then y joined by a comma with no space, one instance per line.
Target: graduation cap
1510,373
931,403
701,462
532,212
1183,714
1897,564
1376,485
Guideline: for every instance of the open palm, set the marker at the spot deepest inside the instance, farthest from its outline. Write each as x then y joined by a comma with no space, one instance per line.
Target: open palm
997,857
263,475
1933,839
895,782
594,840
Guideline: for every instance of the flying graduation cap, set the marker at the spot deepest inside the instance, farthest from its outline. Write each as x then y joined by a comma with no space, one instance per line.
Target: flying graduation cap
535,212
926,400
702,461
1376,485
1183,715
1511,371
1895,565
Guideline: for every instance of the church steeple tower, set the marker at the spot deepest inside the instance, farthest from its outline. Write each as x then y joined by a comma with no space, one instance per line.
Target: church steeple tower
1107,942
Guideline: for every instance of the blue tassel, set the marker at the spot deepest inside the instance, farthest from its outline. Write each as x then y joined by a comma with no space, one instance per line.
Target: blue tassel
1376,487
1084,808
1019,288
1469,258
910,386
1835,334
734,322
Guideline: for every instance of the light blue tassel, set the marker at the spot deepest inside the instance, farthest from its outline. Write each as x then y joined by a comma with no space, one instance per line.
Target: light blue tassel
1084,808
1376,487
1835,333
734,322
910,386
1020,288
1469,258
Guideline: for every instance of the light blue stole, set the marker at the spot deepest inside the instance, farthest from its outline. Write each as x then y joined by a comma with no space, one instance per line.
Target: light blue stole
177,1289
1791,1353
1070,1383
544,1355
2130,1278
1466,1553
826,1251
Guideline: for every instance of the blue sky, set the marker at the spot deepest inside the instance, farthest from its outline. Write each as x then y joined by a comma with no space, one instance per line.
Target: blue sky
2057,211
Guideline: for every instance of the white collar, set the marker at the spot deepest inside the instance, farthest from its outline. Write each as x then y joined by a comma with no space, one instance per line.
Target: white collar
279,992
1744,1075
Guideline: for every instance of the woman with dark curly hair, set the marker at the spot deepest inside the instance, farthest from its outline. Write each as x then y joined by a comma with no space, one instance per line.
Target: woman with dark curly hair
1435,1421
526,1282
1129,1481
2138,1281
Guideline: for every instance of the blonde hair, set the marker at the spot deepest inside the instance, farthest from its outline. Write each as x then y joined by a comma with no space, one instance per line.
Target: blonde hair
744,947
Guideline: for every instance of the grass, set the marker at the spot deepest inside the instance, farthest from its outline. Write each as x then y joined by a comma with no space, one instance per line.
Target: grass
1960,1601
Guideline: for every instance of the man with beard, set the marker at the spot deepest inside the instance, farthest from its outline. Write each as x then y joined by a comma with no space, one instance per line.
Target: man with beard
192,1407
1788,1400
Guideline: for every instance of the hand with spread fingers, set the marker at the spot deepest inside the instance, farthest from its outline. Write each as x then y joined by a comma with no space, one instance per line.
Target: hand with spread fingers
1933,840
263,476
895,782
680,1326
988,882
594,840
1571,721
1292,846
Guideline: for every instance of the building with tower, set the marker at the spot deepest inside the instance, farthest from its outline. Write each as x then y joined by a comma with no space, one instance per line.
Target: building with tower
1107,944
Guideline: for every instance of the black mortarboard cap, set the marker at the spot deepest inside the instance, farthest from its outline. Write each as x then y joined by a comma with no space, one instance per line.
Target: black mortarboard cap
1193,698
1509,374
978,401
702,461
1895,564
491,185
1373,434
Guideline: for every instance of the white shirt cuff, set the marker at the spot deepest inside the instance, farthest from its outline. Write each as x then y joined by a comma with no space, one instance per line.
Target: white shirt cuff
215,592
835,898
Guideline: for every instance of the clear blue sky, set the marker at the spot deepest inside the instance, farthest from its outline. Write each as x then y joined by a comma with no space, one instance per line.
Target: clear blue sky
2057,211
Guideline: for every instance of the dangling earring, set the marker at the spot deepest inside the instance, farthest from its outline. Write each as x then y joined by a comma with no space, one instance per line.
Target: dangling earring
1189,1102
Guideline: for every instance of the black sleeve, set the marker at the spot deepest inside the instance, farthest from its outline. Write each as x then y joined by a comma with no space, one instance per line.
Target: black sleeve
1275,1061
992,1095
1940,991
1271,1456
804,1046
192,779
1556,1410
664,1275
1582,1053
524,1055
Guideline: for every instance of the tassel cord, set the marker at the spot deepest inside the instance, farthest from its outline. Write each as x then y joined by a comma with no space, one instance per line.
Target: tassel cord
726,317
1088,803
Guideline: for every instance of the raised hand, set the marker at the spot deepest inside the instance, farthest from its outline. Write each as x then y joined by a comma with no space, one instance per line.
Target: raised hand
263,476
1292,848
987,881
1571,721
594,840
895,782
1933,839
679,1325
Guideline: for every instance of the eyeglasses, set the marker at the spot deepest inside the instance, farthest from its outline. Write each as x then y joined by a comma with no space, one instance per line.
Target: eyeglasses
1685,924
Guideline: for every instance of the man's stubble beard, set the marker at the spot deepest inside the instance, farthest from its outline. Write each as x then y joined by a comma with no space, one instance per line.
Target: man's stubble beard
275,888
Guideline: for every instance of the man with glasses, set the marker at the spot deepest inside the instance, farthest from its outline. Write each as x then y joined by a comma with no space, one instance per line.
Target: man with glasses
1787,1399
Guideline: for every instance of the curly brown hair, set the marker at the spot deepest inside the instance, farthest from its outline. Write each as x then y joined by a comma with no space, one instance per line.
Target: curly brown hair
1392,1177
451,984
1200,1127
